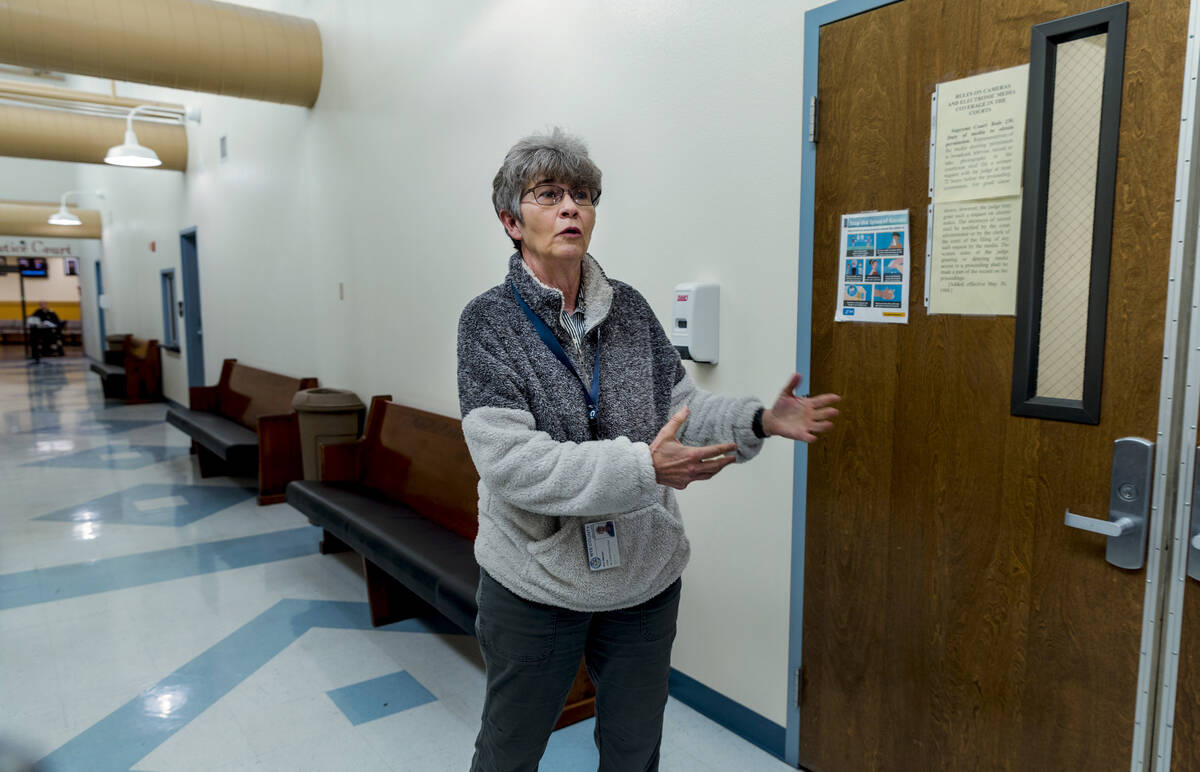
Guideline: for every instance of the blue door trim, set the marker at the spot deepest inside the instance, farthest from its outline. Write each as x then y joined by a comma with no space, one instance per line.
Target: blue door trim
100,310
813,21
193,330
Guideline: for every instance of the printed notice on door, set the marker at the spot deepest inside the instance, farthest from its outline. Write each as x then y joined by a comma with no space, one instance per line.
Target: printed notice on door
974,269
979,140
873,268
978,154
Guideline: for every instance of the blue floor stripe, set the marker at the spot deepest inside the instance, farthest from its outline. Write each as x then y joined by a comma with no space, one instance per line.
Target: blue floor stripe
125,506
104,457
26,588
117,742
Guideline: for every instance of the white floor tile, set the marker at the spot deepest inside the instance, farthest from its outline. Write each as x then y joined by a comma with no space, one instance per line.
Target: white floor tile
75,660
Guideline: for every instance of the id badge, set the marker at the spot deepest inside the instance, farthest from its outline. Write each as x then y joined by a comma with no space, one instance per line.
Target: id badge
602,549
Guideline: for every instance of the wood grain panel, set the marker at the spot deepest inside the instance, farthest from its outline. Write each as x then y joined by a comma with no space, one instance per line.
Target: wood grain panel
951,620
1185,748
845,646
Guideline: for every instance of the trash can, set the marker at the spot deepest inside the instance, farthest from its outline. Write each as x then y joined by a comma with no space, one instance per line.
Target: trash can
326,417
114,342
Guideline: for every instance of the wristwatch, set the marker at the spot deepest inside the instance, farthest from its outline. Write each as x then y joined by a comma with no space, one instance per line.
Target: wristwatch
756,425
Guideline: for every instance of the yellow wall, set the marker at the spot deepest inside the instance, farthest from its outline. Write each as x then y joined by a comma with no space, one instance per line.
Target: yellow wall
11,309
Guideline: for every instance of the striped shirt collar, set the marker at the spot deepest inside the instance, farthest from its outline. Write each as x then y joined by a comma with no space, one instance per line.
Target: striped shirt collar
573,322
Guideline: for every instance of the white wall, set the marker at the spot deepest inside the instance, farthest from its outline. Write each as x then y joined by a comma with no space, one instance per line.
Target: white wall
29,179
141,207
91,251
693,112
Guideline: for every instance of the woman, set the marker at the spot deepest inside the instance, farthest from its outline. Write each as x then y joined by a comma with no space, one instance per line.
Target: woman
581,420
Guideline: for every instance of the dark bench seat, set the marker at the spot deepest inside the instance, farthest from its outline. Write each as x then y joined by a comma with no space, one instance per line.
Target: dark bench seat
245,426
232,442
438,566
106,370
404,497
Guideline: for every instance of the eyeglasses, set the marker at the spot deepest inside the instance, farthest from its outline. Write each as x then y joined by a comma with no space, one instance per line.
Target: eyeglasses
551,195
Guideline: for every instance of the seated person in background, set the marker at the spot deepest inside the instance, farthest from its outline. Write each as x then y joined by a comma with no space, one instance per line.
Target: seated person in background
45,313
49,338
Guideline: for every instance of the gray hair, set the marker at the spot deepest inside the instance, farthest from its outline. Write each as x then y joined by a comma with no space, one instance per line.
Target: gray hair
557,155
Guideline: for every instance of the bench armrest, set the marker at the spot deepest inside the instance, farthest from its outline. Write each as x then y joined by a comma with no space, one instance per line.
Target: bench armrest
342,462
203,398
279,460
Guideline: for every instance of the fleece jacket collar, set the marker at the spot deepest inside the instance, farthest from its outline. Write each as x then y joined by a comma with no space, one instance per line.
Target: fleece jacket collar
547,302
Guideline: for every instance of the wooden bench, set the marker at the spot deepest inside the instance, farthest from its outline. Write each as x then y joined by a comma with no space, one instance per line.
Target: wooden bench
245,426
12,330
132,373
72,332
405,498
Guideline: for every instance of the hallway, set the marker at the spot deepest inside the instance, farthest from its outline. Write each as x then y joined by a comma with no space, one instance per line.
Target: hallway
151,620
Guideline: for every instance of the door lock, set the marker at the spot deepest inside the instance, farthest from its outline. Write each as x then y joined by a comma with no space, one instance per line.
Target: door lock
1128,505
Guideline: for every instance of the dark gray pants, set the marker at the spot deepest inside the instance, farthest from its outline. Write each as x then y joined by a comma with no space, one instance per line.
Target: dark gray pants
532,653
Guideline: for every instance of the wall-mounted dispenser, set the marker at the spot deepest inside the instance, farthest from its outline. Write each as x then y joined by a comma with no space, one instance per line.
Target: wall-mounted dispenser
696,321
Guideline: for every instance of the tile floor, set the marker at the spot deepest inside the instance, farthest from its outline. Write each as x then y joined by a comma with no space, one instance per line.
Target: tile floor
152,620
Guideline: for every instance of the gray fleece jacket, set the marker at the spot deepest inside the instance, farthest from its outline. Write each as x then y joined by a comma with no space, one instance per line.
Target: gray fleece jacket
542,476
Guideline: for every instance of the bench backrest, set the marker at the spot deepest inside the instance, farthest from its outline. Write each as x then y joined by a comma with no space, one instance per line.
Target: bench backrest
245,394
421,459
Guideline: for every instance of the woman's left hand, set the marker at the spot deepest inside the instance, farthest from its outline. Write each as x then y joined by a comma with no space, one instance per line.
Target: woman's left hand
799,418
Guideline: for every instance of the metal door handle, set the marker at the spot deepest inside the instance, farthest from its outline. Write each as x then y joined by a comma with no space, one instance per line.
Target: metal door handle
1128,504
1107,527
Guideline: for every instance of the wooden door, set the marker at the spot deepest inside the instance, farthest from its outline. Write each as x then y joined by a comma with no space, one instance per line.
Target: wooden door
951,621
1185,742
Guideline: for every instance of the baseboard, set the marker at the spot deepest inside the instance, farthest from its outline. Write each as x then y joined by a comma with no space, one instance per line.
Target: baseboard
172,403
734,716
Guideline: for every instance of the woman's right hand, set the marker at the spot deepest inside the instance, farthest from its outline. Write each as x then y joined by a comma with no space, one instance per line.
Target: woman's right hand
678,465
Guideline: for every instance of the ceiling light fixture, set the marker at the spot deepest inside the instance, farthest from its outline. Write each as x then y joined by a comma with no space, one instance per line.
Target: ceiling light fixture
62,216
130,153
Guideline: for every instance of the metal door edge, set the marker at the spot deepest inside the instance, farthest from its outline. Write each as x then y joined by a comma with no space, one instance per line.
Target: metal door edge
1166,580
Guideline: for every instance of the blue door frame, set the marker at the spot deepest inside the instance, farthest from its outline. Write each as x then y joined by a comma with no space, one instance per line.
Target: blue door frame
193,332
813,21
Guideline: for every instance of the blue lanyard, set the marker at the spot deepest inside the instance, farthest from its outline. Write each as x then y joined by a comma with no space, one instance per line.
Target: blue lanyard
592,397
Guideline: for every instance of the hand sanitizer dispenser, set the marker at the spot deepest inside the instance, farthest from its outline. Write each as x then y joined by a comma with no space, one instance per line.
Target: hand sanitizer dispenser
696,321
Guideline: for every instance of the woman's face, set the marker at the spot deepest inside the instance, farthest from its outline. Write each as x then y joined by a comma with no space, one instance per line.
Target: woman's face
559,233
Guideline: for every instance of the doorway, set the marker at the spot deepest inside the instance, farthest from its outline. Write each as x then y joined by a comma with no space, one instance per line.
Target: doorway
192,328
100,309
950,620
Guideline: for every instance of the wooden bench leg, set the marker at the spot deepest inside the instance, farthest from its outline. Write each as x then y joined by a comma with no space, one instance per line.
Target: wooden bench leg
389,600
581,700
331,544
